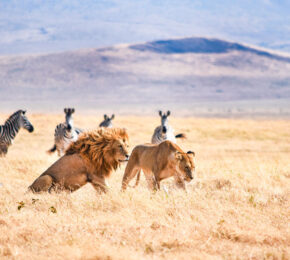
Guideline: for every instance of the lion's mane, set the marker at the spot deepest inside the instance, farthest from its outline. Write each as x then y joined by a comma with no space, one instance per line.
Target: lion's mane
96,148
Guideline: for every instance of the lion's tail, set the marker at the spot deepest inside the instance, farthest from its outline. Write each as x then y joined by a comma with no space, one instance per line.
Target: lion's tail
52,150
181,136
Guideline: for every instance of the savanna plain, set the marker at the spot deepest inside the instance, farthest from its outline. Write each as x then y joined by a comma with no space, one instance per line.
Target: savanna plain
237,206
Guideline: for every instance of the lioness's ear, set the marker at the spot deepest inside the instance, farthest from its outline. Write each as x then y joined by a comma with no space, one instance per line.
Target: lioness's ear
191,153
160,113
178,155
168,113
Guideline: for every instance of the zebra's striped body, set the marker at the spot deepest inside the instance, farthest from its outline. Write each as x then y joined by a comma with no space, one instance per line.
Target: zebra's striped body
9,130
65,133
160,135
107,122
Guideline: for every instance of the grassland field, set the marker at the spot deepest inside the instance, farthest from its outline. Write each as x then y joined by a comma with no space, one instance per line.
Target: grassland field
237,207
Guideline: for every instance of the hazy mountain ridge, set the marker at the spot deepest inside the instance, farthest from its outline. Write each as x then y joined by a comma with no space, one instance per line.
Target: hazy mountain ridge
174,73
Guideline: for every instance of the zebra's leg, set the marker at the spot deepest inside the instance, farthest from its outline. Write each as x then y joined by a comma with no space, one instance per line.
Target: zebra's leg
3,150
42,183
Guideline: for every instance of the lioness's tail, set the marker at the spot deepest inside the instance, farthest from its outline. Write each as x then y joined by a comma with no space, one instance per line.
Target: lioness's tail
52,150
181,136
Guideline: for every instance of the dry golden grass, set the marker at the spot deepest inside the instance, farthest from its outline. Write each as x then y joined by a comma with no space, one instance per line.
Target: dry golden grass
236,208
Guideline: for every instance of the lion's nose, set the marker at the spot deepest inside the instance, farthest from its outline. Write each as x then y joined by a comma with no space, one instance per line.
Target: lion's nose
127,156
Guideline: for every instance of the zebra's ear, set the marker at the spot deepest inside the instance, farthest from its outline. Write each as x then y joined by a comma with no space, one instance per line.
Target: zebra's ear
72,110
105,116
112,117
168,113
160,113
65,110
23,112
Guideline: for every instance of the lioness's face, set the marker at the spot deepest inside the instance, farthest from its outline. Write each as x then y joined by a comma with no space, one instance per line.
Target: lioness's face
185,165
120,148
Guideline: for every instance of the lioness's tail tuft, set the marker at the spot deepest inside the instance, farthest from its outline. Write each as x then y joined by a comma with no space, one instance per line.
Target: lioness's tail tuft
182,136
52,150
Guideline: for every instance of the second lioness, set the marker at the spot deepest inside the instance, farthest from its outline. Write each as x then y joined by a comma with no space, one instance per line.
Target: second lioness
159,162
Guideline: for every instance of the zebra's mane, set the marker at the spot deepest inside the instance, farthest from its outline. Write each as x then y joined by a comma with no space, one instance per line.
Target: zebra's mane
14,115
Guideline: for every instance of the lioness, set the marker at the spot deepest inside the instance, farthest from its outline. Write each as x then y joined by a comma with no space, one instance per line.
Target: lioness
91,159
159,162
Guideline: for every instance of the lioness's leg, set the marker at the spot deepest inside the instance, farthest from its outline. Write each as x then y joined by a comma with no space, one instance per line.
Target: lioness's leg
130,172
137,178
152,184
42,183
179,182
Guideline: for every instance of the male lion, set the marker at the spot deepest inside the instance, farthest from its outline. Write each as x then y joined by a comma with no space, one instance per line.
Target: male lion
91,159
159,162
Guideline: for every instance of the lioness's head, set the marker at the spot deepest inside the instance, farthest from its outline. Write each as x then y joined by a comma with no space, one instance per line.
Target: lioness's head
185,164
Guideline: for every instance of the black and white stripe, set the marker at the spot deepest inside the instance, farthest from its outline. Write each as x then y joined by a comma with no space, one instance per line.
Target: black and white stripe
65,133
9,130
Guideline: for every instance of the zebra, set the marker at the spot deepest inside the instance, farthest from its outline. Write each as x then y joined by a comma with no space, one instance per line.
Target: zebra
164,131
9,130
65,133
107,122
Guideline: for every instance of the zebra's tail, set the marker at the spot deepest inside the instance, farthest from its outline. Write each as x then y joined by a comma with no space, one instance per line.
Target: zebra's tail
182,136
52,150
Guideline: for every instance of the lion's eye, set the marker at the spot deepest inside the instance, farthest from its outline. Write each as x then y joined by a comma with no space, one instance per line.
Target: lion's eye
121,147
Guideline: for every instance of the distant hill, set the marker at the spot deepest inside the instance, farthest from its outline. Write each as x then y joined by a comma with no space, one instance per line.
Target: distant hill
190,76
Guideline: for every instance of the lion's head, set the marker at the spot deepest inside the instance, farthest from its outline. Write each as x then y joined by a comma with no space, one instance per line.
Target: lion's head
185,164
104,148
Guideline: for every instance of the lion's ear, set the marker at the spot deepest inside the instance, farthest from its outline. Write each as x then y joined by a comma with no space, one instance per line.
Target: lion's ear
191,153
178,156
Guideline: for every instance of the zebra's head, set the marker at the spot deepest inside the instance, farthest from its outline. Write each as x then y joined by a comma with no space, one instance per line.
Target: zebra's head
164,120
24,122
68,117
107,122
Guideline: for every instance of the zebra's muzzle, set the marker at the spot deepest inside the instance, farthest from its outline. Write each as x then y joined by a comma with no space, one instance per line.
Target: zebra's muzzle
30,129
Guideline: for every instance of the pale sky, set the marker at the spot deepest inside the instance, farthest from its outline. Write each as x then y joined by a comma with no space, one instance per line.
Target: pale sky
50,26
